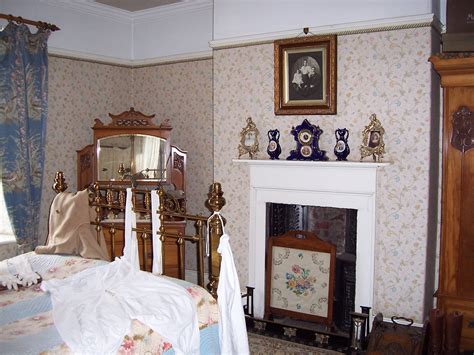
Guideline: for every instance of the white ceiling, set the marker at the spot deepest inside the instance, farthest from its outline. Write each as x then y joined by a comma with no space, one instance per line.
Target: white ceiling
136,5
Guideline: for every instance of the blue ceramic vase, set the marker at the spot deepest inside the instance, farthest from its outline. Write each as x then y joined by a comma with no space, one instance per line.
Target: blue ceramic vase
341,149
274,149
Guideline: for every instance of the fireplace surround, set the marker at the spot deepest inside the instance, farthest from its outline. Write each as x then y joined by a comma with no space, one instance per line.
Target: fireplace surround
351,185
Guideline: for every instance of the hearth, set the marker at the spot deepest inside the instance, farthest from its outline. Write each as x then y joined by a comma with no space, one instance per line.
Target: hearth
335,225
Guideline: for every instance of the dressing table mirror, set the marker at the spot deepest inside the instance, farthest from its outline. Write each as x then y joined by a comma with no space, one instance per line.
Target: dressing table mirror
131,156
132,150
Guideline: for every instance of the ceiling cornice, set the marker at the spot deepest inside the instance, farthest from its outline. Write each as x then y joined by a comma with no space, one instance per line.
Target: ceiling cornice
172,9
128,63
128,17
92,8
389,24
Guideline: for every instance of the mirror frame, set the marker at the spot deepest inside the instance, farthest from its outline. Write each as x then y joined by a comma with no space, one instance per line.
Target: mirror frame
132,122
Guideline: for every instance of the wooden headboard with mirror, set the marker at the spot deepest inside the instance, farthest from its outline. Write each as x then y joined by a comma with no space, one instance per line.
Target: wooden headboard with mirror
132,149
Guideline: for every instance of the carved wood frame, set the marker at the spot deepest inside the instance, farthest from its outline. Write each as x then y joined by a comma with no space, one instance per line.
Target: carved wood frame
327,45
304,241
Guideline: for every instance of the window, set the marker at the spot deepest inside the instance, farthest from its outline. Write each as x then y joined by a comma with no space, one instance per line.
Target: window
6,231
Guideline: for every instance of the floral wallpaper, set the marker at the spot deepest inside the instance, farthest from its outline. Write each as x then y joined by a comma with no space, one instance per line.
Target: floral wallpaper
386,73
79,92
182,93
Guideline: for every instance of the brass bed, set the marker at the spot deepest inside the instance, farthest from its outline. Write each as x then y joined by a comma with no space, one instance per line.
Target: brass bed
110,200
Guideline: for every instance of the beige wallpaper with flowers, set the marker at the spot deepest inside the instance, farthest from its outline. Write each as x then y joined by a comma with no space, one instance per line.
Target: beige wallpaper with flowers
182,93
386,73
79,92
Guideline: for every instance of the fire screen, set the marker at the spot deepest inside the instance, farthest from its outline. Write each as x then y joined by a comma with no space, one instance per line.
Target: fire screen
300,277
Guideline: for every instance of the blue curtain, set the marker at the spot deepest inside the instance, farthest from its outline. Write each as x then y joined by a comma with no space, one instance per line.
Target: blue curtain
23,111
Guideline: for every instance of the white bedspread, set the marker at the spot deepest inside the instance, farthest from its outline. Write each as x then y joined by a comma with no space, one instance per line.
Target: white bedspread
93,309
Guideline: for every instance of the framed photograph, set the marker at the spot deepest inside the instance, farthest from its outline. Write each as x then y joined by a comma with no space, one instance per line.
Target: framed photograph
372,140
249,140
305,76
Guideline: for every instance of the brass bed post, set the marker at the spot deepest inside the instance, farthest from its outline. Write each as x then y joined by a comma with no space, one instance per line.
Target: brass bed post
59,182
109,196
200,251
97,210
182,265
216,202
161,195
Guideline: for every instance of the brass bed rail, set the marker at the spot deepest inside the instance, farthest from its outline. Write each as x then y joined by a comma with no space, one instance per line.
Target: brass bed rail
109,203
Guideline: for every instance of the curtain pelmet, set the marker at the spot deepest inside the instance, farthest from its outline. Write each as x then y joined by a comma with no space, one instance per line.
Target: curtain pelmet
23,112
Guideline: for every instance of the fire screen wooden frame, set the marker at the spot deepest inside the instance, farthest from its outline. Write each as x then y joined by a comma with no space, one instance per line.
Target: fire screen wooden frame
300,277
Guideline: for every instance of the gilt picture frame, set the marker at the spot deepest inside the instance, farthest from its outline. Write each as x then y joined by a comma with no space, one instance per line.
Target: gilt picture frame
305,75
249,140
373,140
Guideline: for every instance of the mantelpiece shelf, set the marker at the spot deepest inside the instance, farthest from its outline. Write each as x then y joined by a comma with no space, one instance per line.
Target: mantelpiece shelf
332,164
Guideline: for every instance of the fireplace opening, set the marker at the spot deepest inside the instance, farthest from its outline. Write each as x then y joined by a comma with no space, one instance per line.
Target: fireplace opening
335,225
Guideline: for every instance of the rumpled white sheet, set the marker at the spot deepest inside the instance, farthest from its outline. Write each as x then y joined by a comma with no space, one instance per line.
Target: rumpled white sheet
155,226
130,249
93,309
232,329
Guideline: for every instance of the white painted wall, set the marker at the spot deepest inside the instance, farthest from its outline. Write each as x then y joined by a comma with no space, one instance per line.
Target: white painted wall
95,30
241,18
81,31
173,34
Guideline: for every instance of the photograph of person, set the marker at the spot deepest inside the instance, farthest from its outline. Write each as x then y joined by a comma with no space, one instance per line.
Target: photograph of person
306,79
374,139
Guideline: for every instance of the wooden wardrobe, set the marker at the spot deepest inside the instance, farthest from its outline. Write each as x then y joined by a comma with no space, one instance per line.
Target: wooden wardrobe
456,270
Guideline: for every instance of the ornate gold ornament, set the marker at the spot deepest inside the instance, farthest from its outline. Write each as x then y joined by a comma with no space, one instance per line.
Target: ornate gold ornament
249,140
372,140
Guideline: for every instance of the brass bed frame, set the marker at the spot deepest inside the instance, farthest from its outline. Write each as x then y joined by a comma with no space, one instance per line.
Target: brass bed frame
107,199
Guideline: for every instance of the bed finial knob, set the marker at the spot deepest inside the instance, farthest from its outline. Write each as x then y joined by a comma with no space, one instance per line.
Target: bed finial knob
216,201
59,182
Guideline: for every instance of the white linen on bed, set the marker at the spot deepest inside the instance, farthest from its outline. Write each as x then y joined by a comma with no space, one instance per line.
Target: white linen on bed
7,279
17,271
130,249
232,329
93,309
24,271
156,241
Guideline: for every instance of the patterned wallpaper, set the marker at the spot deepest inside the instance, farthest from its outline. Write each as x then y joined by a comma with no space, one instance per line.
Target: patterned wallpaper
79,92
386,73
182,93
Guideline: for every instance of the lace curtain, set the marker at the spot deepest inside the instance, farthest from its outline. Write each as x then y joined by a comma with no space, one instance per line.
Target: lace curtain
23,111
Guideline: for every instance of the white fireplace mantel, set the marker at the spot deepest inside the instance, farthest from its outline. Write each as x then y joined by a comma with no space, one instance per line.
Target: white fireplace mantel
345,184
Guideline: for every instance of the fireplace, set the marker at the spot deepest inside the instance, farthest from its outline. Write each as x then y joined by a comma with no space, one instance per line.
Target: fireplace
337,226
349,185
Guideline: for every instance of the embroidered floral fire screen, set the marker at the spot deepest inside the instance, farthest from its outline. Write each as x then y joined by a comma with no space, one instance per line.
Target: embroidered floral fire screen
301,280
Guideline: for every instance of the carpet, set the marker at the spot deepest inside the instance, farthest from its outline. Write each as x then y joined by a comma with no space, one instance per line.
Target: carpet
260,344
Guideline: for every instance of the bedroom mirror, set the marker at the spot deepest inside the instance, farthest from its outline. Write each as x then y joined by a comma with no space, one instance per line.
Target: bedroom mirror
131,149
131,156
